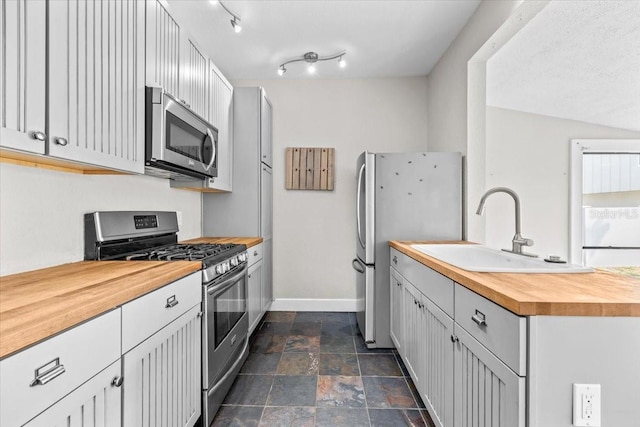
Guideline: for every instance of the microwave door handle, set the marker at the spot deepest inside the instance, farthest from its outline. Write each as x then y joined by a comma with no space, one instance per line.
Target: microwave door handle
213,145
358,205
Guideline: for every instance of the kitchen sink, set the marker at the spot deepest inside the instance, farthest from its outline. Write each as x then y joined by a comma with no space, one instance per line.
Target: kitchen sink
484,259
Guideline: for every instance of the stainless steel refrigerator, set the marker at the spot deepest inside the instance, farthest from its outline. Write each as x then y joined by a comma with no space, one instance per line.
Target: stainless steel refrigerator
400,196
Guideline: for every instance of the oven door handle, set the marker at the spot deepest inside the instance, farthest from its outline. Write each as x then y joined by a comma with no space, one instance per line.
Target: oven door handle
227,283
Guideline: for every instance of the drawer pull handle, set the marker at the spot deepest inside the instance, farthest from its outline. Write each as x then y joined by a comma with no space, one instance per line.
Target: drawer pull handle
117,381
255,253
47,372
479,318
171,301
454,339
395,260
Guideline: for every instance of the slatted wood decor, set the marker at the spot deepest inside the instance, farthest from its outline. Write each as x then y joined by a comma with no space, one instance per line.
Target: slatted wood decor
309,168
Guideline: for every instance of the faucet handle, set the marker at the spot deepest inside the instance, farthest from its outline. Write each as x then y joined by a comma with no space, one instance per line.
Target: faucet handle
522,241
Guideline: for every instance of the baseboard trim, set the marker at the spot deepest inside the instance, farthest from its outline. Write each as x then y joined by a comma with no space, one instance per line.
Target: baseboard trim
294,304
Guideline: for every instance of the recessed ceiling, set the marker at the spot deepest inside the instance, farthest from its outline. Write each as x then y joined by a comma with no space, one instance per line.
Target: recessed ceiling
389,38
576,60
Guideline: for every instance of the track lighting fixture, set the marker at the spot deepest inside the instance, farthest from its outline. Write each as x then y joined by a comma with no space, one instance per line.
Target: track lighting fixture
311,58
235,18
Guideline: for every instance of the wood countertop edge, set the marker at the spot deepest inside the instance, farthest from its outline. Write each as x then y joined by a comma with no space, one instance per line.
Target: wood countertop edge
523,307
19,329
249,241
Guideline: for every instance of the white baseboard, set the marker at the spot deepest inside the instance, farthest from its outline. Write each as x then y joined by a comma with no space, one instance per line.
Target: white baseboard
294,304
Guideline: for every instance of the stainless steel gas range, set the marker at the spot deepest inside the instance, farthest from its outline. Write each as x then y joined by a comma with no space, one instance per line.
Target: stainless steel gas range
133,235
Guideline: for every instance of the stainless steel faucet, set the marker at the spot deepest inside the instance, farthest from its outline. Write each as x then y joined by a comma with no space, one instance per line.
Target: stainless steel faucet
518,241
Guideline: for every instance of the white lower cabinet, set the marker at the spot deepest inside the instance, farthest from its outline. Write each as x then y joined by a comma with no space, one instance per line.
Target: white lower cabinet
81,378
36,378
255,287
487,392
438,378
96,403
396,327
461,380
162,369
162,375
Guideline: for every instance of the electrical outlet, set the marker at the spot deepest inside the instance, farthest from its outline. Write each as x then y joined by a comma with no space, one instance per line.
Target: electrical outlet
586,405
179,215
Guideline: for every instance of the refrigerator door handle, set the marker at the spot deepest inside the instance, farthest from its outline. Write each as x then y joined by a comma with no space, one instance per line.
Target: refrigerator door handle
357,265
358,206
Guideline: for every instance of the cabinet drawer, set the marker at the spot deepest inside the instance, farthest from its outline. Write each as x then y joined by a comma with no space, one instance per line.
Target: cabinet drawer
146,315
499,330
79,356
255,253
434,285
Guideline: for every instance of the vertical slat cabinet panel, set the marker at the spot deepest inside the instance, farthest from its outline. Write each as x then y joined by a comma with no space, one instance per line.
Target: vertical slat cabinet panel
88,91
220,114
437,353
163,376
396,327
22,75
193,77
162,48
411,337
487,392
96,403
254,295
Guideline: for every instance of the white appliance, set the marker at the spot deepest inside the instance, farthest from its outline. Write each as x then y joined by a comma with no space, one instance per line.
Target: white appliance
400,196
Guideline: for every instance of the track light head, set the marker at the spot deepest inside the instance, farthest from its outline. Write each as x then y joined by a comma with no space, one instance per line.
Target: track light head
236,26
341,62
282,70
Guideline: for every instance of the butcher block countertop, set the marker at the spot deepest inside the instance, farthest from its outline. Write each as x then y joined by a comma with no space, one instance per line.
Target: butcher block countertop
39,304
249,241
601,293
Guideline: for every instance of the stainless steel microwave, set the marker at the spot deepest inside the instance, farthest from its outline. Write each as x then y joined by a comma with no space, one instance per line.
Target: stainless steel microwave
179,144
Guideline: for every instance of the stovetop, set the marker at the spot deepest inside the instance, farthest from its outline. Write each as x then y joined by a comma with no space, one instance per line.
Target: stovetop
208,253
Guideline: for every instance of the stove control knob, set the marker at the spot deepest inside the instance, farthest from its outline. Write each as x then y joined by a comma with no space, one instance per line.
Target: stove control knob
234,262
219,269
227,266
242,257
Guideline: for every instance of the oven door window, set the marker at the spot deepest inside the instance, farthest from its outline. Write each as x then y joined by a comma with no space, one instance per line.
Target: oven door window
184,139
228,307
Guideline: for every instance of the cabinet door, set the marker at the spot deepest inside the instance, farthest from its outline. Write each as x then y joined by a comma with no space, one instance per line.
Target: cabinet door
162,48
96,83
412,338
22,73
266,118
96,403
396,327
487,392
194,70
221,116
254,295
267,277
266,202
436,388
163,376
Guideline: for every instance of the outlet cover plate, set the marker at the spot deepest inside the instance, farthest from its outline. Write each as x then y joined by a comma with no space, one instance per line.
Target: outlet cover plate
587,404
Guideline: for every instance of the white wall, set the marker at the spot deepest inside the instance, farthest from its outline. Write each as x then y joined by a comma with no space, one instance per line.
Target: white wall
314,231
448,100
41,211
529,153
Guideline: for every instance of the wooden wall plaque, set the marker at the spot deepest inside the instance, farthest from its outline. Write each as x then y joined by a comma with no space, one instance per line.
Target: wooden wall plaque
309,168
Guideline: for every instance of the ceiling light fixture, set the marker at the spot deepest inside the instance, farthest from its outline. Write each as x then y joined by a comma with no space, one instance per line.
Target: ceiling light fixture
235,18
311,58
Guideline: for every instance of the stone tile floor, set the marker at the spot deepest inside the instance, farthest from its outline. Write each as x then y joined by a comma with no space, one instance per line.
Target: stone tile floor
313,369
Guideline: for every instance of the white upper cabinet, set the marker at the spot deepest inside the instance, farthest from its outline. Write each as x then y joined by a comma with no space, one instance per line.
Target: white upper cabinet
194,69
266,120
96,83
22,73
221,116
162,48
